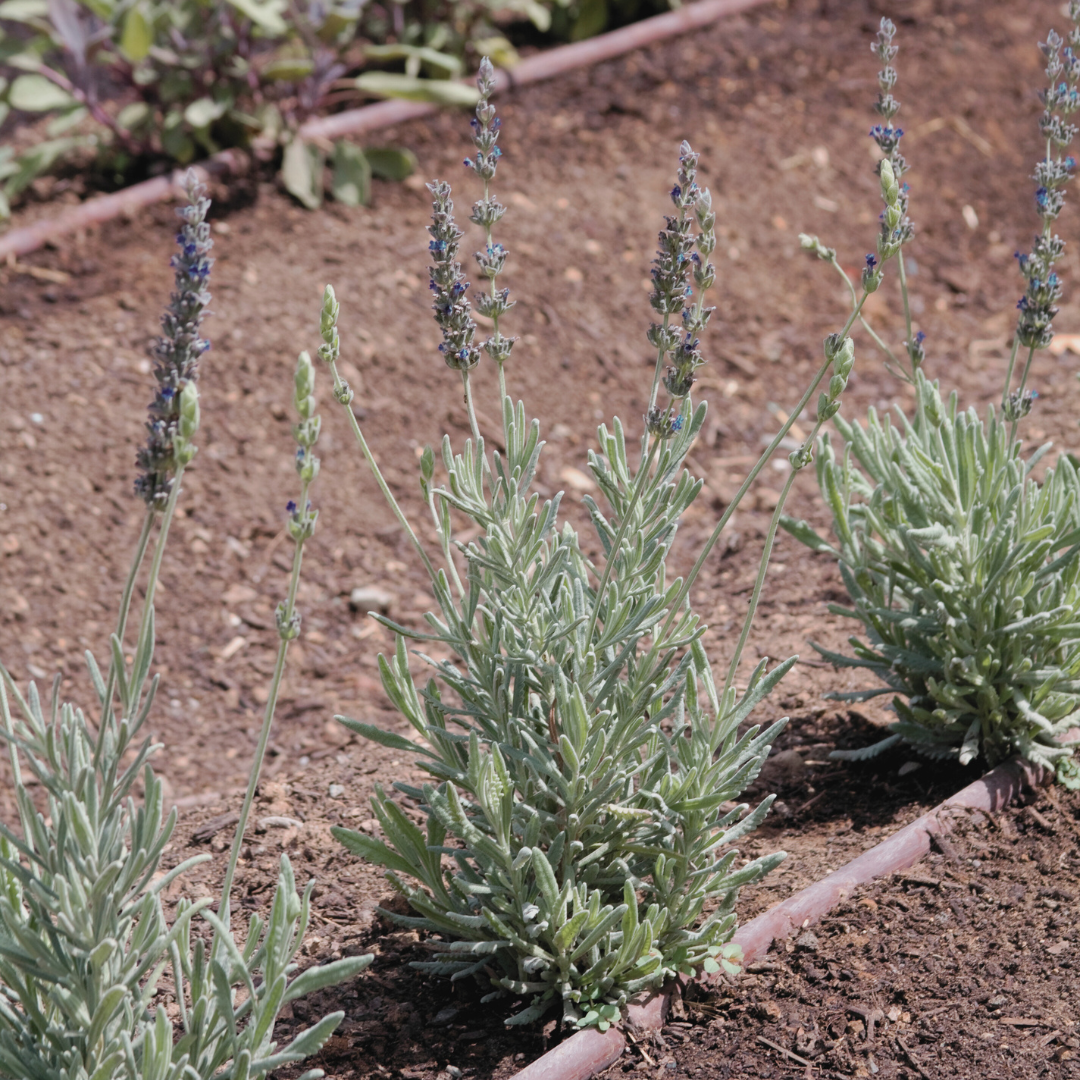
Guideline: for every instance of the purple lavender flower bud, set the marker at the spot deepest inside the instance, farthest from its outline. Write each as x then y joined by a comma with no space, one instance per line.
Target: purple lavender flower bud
177,351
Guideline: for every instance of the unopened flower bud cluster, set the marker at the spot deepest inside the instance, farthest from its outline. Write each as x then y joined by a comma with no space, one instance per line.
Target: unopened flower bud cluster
487,211
330,349
174,412
1038,305
451,305
841,351
676,264
307,431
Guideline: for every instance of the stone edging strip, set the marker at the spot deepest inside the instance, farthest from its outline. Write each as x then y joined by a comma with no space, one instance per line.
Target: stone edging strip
589,1052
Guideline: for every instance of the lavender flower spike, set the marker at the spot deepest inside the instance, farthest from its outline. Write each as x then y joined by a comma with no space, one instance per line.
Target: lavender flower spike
174,410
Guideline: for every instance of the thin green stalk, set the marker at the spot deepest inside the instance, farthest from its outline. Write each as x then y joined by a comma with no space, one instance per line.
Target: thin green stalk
465,382
496,335
1009,370
902,275
751,477
920,411
376,472
1020,391
763,567
893,362
660,354
639,486
444,543
155,570
125,608
268,720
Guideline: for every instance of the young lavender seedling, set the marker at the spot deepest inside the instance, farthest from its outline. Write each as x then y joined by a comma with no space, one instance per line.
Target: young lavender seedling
964,571
84,940
580,815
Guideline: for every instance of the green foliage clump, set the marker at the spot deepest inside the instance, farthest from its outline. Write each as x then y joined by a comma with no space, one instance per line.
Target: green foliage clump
962,567
965,572
579,817
581,814
131,83
85,943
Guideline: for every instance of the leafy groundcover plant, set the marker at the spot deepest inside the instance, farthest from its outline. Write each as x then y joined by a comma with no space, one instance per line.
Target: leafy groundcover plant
89,961
133,85
964,569
581,815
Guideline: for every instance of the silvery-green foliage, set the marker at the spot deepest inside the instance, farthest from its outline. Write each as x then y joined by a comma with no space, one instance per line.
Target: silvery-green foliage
962,568
580,818
84,938
576,818
965,573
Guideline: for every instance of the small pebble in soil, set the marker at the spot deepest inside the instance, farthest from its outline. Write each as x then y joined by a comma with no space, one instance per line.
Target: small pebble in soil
371,598
337,791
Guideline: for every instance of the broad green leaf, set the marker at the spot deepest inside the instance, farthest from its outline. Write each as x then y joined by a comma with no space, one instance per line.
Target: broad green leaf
289,68
204,111
38,160
501,53
391,162
134,115
66,121
441,91
175,141
449,65
538,15
24,10
591,19
137,35
266,14
35,93
301,173
351,177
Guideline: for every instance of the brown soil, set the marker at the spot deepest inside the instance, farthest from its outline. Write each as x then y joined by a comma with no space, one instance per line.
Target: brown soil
963,966
778,102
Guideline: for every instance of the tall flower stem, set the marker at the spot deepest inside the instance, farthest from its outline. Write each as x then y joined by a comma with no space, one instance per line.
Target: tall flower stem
471,408
125,609
268,720
358,434
766,555
147,615
795,413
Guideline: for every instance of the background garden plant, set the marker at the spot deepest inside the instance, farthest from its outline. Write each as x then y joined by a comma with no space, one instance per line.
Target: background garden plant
580,818
133,85
85,942
962,567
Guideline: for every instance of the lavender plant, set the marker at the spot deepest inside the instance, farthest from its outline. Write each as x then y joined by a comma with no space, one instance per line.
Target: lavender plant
584,766
84,938
962,568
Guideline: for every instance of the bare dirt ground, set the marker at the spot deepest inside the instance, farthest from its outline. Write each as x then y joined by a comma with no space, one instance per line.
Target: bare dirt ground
778,102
